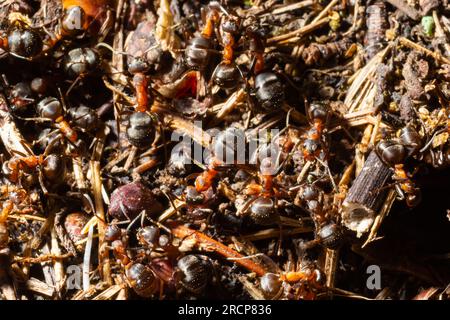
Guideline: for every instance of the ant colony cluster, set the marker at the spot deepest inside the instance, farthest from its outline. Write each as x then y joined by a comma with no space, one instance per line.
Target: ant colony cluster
222,149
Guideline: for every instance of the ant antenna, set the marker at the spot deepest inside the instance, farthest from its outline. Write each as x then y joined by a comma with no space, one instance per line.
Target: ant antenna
107,46
431,140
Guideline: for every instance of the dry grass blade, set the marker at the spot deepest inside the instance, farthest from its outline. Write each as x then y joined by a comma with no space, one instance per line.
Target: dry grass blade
100,214
40,287
296,34
275,233
357,94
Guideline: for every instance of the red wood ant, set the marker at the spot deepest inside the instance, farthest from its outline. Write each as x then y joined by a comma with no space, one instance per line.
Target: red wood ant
225,144
227,74
302,283
313,145
262,206
327,232
25,42
197,51
145,279
394,153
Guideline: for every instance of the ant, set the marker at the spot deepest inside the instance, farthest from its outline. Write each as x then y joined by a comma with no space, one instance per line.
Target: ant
256,34
80,62
145,279
51,109
195,272
21,40
52,167
393,153
220,149
262,206
140,130
314,144
197,52
199,204
24,41
268,91
301,283
327,232
227,73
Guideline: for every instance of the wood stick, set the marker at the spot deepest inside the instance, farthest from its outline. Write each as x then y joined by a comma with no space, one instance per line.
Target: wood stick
366,196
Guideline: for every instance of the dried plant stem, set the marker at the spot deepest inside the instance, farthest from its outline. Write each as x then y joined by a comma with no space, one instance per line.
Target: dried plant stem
186,127
231,103
109,293
331,261
177,204
39,287
204,242
100,214
384,211
299,32
440,33
11,137
435,55
290,7
42,258
57,264
78,173
275,233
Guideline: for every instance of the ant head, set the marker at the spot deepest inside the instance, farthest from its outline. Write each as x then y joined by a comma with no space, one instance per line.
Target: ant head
138,65
113,231
192,196
231,24
310,192
317,111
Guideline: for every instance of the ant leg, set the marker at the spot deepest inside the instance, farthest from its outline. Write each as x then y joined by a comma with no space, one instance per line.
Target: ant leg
158,224
72,86
246,205
119,92
327,168
41,183
52,143
306,245
280,238
400,193
388,186
35,142
139,216
130,158
429,142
